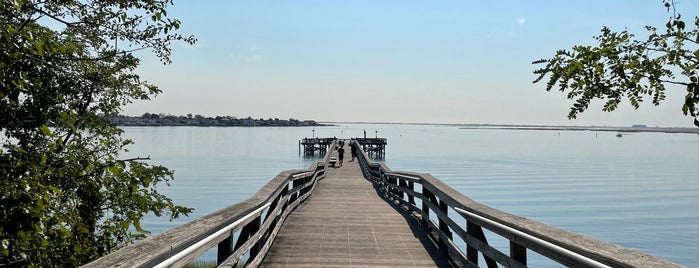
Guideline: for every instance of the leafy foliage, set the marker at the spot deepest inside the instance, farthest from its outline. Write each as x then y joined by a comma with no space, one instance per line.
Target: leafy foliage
65,196
621,67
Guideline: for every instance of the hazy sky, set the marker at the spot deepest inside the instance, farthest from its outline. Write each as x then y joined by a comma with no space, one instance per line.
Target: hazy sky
392,61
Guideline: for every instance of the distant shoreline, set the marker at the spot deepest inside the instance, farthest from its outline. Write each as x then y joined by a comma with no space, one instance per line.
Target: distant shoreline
160,120
633,129
156,120
592,128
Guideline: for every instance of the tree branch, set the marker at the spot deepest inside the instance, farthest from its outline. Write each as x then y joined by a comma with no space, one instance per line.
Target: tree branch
135,159
674,82
38,10
109,55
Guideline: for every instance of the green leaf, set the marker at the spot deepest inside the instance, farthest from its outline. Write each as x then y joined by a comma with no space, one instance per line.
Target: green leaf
39,48
18,4
45,130
11,30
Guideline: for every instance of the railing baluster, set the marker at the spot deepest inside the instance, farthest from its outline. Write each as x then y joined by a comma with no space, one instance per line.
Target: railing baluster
471,252
443,226
425,207
224,249
411,198
518,253
404,184
255,226
477,232
248,231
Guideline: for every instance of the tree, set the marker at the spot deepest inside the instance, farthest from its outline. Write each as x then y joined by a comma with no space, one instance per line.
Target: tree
621,67
65,195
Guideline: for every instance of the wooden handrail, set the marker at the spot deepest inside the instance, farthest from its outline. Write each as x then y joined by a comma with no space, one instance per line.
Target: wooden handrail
436,199
255,222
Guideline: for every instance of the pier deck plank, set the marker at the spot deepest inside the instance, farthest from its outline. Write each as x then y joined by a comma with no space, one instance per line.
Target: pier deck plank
346,224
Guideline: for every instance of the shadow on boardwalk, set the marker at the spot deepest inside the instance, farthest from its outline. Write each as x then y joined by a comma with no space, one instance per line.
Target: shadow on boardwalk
439,256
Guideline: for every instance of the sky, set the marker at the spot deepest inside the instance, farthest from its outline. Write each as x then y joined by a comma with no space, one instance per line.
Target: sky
459,62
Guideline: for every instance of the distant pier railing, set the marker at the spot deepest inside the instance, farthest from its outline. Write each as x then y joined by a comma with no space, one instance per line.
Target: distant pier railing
431,201
242,232
312,145
375,147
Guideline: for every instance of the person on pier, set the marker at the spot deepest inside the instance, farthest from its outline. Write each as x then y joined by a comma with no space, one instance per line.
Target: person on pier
340,154
353,150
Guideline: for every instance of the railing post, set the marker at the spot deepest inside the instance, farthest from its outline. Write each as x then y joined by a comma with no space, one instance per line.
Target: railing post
384,182
404,184
248,231
411,198
443,225
256,248
426,208
518,253
296,194
225,248
391,189
285,192
476,231
471,252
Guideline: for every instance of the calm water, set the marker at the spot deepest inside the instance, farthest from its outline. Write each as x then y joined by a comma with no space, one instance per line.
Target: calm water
640,191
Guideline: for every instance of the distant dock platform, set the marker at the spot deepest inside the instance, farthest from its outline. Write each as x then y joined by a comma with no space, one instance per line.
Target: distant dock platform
374,147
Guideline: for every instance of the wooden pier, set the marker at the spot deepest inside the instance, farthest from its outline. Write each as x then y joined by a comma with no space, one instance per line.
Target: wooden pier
345,223
363,214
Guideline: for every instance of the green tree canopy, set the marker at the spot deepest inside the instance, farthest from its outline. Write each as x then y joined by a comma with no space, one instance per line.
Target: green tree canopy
621,67
66,196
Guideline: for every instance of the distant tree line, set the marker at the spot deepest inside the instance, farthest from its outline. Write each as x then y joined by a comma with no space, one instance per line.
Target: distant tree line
153,119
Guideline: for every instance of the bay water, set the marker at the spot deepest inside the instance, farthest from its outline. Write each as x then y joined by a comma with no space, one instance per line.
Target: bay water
640,191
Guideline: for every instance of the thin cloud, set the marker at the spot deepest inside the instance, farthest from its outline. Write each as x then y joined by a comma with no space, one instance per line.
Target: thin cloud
521,21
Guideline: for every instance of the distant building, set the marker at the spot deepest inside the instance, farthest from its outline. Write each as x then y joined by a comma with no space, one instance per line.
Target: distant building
639,126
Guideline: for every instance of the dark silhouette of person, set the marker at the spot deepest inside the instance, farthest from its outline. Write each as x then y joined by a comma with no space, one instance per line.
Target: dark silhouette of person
353,149
340,154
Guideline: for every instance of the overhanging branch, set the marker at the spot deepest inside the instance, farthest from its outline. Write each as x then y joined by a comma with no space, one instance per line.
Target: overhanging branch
135,159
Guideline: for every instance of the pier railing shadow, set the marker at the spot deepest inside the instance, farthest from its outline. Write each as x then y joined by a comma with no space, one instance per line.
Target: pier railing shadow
430,200
413,221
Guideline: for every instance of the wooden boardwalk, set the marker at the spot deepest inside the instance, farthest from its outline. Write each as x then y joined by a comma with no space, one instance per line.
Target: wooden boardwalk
346,224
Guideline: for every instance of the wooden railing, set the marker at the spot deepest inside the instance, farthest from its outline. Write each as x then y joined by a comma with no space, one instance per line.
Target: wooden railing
431,200
242,232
